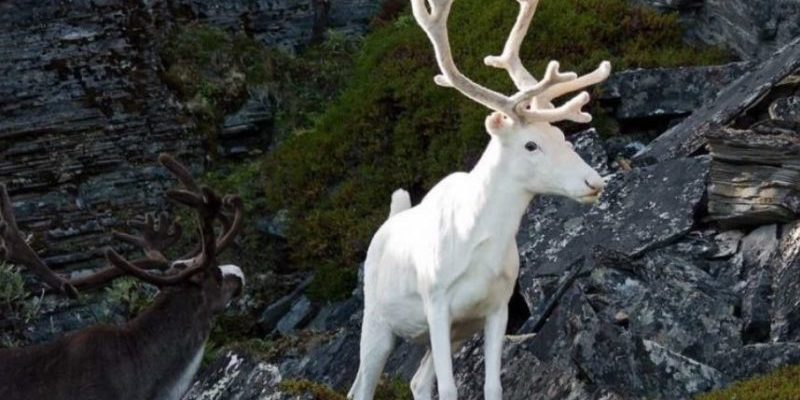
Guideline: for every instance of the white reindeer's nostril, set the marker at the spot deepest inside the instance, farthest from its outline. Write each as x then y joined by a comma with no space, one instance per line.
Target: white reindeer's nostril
593,185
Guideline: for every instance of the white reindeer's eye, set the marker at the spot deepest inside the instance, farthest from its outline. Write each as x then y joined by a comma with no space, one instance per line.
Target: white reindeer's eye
531,146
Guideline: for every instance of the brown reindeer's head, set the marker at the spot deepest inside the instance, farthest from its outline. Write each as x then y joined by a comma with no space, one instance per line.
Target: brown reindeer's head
199,268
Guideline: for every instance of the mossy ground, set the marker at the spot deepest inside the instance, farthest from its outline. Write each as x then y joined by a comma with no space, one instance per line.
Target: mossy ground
781,384
388,389
392,127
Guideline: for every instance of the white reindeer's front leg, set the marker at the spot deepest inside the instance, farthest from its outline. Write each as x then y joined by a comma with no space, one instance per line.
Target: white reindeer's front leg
494,333
439,326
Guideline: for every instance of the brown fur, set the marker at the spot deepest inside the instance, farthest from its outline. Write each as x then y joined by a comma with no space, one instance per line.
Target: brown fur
140,360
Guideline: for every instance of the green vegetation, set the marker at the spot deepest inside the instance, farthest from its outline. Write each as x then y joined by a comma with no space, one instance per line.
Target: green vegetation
389,389
392,127
317,390
213,71
16,304
782,384
130,294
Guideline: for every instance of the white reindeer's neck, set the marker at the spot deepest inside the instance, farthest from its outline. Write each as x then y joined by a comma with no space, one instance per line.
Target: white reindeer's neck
500,201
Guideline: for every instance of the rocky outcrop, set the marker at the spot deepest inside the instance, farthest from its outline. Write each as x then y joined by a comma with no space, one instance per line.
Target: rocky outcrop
240,377
687,137
755,179
286,24
666,92
754,29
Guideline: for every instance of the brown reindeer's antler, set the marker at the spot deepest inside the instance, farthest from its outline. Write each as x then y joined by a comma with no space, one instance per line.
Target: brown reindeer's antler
16,249
157,235
208,206
533,102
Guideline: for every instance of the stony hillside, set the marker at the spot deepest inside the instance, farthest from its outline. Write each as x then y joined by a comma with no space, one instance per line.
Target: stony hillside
683,279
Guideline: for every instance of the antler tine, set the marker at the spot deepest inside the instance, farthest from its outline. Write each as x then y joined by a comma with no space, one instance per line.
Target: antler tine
155,237
559,89
17,250
434,23
234,202
533,102
118,261
179,171
510,58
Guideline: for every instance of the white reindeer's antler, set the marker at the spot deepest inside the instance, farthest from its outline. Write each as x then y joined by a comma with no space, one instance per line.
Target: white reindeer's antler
533,102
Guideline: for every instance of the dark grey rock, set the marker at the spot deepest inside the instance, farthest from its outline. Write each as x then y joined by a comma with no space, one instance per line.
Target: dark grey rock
758,251
752,28
631,217
754,178
786,109
278,310
334,316
786,286
300,313
286,24
239,376
727,243
689,136
579,355
667,92
246,130
757,359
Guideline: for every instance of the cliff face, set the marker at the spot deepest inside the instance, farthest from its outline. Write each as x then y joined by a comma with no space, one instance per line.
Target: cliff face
85,110
84,113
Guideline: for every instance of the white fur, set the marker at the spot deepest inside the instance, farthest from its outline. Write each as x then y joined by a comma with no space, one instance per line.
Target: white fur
232,270
185,379
401,201
445,269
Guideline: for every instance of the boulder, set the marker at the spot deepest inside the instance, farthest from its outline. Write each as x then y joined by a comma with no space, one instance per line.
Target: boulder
238,376
667,92
689,136
786,286
755,179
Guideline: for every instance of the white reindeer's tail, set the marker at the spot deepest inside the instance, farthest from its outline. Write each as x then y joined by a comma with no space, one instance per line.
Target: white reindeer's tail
401,201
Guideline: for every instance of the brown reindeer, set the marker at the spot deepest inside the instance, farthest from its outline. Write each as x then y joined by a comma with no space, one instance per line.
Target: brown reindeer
155,355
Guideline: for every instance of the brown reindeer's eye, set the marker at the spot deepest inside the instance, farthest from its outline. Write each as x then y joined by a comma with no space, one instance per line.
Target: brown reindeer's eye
531,146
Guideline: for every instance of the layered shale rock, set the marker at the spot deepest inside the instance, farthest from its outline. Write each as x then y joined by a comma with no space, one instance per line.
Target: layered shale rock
752,28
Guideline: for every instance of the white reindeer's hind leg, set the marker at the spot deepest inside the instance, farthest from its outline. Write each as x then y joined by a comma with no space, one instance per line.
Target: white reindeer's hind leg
377,342
422,382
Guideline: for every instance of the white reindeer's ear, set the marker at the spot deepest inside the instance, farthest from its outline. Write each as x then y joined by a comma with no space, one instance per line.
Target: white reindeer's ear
498,123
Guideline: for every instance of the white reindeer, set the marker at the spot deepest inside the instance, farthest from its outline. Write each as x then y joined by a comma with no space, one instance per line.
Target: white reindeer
439,272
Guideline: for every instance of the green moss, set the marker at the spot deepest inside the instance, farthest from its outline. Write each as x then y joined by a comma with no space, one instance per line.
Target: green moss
393,127
388,389
782,384
317,390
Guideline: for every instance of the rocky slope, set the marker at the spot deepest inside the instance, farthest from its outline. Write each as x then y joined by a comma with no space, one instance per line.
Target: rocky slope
677,282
